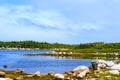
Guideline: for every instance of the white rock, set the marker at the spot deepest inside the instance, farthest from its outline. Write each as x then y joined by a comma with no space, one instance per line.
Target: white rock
79,68
60,76
2,79
81,71
114,72
5,79
102,65
109,63
99,61
82,74
116,67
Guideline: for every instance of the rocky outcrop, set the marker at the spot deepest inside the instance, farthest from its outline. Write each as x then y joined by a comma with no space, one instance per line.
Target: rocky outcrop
77,73
113,67
81,71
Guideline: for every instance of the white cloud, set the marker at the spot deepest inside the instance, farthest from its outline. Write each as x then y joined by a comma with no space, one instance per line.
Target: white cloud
13,29
60,20
25,23
46,18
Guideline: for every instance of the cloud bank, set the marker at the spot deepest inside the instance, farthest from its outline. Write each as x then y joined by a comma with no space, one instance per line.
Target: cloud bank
60,21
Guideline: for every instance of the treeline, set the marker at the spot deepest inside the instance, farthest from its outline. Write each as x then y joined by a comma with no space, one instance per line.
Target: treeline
95,47
77,48
33,44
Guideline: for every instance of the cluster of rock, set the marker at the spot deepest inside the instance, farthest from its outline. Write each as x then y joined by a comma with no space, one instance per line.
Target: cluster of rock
113,67
98,67
79,73
62,53
3,73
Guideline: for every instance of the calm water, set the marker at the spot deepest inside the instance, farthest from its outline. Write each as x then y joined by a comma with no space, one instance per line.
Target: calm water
15,59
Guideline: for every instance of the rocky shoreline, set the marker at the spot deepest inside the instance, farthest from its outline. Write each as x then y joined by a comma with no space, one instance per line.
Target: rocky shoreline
64,54
99,70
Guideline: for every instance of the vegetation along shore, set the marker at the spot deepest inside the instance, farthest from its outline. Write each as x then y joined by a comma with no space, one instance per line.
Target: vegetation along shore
95,47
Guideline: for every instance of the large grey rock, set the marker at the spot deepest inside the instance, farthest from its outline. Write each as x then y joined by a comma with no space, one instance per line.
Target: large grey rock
98,64
115,67
81,71
81,68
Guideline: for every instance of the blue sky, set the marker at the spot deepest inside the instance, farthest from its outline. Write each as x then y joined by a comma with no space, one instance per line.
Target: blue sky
63,21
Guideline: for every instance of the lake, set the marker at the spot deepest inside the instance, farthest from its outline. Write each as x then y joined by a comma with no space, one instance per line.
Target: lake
16,59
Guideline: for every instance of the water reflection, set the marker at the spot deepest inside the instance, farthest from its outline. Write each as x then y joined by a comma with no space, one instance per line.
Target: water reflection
92,58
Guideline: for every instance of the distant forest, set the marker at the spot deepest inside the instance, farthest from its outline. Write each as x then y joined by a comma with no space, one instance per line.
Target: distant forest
77,48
